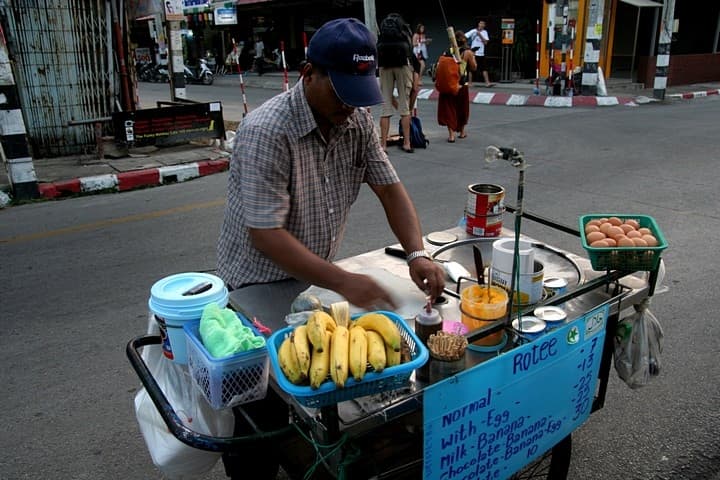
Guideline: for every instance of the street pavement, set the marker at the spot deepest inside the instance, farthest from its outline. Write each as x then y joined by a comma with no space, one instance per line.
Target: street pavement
149,167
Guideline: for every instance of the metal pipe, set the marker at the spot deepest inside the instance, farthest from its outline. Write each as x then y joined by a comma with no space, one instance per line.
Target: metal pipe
171,418
124,80
632,59
89,120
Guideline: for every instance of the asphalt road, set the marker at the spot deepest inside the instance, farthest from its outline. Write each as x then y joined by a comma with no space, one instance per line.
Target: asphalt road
77,273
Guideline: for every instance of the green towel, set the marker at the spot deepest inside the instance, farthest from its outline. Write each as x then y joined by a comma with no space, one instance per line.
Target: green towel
223,334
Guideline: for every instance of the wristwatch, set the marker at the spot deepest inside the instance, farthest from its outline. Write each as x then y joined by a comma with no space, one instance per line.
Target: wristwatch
417,254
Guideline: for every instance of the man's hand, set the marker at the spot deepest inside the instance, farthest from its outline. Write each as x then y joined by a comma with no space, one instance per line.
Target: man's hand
364,292
428,276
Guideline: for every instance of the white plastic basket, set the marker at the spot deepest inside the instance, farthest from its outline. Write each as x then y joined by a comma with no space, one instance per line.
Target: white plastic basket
230,381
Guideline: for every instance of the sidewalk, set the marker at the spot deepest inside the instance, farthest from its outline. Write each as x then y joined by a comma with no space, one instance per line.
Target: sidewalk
517,93
68,176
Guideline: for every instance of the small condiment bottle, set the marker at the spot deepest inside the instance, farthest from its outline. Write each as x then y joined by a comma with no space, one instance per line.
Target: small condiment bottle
427,322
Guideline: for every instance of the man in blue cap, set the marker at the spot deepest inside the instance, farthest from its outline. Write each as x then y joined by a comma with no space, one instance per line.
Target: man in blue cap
297,166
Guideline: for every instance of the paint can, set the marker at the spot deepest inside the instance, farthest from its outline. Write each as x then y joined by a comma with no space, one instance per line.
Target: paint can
484,209
531,284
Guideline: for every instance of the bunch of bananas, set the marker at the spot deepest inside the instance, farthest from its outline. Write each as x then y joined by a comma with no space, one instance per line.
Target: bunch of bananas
331,344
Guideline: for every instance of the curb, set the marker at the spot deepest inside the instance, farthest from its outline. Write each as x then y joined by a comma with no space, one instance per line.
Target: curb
518,100
691,95
125,181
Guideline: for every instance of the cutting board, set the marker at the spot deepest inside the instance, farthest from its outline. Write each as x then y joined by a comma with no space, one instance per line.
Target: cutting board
409,300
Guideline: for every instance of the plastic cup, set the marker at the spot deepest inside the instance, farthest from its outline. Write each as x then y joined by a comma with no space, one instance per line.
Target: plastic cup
478,309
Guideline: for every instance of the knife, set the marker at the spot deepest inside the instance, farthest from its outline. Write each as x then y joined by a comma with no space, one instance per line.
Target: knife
479,266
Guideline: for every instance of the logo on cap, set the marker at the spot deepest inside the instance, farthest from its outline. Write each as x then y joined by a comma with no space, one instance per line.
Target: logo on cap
363,63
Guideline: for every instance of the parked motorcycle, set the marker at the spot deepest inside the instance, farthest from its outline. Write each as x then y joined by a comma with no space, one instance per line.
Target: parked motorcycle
160,74
200,74
145,71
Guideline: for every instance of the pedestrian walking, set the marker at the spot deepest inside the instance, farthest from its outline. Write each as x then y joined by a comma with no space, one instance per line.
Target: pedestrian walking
479,38
453,109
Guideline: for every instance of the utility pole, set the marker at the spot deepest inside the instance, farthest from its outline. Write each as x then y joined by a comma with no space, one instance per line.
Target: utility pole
662,60
173,10
593,38
370,16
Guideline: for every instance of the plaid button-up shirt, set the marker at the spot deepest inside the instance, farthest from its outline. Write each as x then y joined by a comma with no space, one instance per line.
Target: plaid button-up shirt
283,174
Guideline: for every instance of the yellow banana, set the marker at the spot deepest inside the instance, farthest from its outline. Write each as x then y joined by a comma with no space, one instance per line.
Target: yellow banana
381,324
375,350
318,323
302,348
358,355
339,356
393,357
320,362
289,362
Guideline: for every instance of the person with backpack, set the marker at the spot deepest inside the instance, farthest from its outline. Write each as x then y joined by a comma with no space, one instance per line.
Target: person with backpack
394,58
451,81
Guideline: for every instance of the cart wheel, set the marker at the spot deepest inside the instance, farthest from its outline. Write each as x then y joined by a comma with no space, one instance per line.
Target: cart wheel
552,465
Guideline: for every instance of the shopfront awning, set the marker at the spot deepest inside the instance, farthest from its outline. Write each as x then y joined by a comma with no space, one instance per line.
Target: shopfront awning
207,7
642,3
639,4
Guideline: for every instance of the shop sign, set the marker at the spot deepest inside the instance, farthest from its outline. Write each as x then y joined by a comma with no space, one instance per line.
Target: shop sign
169,125
495,418
143,55
173,10
508,30
225,16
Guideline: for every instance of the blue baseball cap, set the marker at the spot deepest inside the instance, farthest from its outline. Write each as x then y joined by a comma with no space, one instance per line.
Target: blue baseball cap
346,49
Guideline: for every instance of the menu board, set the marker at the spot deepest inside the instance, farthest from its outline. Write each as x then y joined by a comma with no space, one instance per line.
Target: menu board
490,421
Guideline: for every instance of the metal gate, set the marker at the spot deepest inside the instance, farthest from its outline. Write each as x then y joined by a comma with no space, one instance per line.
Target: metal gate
64,70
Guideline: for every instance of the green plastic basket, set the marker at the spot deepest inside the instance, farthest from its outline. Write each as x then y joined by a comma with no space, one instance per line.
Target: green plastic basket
624,258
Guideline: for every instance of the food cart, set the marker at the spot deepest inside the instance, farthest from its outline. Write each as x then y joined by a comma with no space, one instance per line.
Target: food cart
504,412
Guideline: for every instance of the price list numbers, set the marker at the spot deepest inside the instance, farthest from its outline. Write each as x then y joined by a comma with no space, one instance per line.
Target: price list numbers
582,388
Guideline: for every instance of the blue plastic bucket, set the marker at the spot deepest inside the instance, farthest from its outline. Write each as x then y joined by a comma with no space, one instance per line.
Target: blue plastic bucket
181,298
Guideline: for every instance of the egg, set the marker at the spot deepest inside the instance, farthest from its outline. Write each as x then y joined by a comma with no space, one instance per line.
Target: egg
613,232
625,242
591,228
651,241
626,228
644,231
602,220
594,222
639,242
595,236
611,242
599,244
633,223
615,221
604,227
634,234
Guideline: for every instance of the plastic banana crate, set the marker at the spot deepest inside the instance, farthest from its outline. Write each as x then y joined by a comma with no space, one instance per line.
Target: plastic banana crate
391,378
624,258
226,382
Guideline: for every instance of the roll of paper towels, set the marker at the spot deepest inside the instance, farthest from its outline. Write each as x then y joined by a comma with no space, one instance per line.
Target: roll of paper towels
503,250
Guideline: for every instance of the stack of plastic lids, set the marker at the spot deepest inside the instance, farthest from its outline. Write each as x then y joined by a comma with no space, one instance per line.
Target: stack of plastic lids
173,297
181,298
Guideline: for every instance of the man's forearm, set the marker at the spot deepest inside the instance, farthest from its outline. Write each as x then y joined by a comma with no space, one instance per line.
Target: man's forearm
296,259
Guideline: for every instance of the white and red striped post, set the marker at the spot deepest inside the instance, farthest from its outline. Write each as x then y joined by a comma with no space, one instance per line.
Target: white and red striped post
570,84
284,64
242,90
305,43
537,58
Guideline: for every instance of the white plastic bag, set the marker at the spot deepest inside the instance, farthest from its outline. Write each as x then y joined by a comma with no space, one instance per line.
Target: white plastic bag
638,345
176,460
